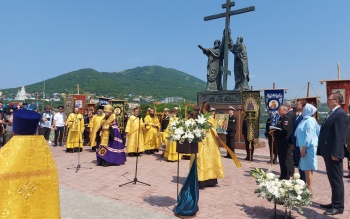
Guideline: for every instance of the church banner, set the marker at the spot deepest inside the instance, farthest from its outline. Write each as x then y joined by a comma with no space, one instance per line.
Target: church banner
251,106
68,105
342,87
119,111
311,100
103,101
79,102
273,100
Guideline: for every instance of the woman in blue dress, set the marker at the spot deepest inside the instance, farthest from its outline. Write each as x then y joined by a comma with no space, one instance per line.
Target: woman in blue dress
307,139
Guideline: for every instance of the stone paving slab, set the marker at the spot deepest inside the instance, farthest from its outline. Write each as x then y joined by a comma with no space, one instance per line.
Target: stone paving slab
79,205
233,198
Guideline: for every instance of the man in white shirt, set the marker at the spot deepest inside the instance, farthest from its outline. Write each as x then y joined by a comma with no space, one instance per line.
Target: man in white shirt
59,121
46,123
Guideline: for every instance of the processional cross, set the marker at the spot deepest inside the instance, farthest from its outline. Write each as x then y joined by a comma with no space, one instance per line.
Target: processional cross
227,14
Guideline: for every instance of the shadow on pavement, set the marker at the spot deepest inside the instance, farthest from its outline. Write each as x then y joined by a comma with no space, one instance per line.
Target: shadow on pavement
259,211
160,201
181,180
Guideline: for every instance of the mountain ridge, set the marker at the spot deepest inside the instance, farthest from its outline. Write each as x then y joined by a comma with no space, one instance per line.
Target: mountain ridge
156,81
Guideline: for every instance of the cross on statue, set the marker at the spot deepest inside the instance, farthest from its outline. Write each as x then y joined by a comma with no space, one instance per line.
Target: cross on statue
227,14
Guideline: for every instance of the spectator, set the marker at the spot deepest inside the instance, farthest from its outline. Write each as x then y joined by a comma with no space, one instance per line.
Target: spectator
306,141
46,123
331,142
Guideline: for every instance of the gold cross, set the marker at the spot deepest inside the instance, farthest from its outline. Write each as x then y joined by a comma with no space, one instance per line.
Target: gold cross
27,190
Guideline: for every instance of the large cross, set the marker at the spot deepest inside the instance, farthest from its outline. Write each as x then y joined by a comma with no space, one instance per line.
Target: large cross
227,15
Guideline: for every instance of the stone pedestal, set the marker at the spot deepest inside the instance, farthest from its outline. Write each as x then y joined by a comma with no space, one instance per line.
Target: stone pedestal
221,100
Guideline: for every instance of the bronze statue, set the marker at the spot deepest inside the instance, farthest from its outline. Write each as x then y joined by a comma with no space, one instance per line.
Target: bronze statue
213,66
240,65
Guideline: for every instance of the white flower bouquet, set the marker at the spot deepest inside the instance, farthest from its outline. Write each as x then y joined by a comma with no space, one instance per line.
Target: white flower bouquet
291,193
191,130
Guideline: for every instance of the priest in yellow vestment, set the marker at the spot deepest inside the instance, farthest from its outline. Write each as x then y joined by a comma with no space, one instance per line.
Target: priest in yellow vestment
75,124
28,173
134,134
152,126
94,125
209,161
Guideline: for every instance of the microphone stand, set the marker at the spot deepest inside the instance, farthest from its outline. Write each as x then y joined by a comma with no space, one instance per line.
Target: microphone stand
78,166
137,158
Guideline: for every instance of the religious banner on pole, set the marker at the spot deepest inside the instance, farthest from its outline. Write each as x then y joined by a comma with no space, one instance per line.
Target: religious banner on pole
251,106
119,111
103,101
68,105
342,87
273,100
79,102
311,100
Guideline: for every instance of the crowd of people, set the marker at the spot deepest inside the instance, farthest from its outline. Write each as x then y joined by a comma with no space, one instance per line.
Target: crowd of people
295,141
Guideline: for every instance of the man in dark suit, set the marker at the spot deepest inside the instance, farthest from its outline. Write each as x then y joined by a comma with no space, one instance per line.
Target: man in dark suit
331,145
231,130
284,149
296,150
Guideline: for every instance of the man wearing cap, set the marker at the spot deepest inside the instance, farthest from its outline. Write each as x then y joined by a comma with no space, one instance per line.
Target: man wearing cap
134,134
94,125
231,130
59,120
152,126
29,183
75,124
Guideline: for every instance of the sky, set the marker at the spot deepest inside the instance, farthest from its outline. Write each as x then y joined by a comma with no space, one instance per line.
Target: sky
289,43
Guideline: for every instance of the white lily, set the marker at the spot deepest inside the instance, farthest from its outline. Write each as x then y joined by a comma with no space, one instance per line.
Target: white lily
201,119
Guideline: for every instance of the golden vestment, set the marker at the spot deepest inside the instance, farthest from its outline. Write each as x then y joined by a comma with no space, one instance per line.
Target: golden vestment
28,179
151,133
105,124
209,161
75,124
94,125
170,148
134,128
214,123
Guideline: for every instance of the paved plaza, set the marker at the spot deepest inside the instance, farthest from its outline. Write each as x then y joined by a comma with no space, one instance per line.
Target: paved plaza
94,192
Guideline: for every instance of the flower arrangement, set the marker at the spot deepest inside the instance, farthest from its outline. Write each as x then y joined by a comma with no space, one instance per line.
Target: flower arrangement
191,130
291,193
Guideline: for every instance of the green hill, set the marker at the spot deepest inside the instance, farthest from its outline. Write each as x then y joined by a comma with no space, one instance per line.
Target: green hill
155,81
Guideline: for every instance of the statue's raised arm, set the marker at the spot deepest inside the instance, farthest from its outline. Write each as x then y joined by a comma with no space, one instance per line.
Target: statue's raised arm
213,67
